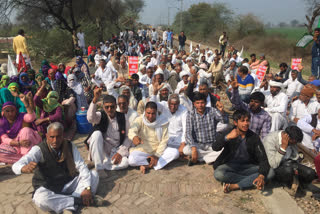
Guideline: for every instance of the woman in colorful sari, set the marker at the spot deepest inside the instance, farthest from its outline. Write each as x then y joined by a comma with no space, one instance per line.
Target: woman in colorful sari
25,84
60,85
5,80
11,94
17,131
14,79
44,68
82,65
51,109
51,78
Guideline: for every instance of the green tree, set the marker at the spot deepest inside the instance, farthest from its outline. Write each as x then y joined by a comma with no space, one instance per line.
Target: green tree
203,19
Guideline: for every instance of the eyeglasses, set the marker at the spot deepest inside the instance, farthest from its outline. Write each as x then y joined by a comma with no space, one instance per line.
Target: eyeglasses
111,107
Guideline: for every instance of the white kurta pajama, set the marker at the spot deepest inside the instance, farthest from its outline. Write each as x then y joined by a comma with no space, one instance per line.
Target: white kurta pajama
103,146
299,109
305,125
277,108
105,76
177,122
46,199
81,41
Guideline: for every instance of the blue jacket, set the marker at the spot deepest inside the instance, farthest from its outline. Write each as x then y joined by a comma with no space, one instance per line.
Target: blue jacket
316,49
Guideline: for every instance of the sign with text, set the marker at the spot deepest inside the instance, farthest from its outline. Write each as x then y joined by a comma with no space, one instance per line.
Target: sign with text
133,64
261,72
295,62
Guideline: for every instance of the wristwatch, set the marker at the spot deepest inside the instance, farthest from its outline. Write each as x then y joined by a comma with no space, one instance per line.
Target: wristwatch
88,188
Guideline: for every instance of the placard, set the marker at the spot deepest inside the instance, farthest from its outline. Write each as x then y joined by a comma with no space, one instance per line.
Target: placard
295,62
133,64
261,72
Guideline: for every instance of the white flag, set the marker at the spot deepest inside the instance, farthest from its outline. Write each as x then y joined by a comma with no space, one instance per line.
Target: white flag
12,70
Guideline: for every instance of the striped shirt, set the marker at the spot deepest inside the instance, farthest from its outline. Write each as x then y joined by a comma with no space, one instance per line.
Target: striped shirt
245,85
201,129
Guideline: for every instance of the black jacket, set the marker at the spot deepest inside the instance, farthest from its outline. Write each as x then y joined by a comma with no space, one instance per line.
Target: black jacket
51,174
255,149
182,40
189,93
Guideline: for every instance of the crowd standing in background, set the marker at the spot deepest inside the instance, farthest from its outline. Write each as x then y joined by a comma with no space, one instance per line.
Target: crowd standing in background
169,109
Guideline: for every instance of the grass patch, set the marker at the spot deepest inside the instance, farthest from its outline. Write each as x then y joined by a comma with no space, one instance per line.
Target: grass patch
290,33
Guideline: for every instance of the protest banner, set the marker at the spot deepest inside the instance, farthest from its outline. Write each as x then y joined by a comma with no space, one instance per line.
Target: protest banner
133,65
295,62
261,72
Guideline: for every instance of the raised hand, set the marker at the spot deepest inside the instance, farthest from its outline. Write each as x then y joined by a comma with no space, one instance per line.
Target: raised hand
219,106
233,134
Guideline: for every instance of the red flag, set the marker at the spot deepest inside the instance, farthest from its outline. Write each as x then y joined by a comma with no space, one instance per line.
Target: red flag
22,63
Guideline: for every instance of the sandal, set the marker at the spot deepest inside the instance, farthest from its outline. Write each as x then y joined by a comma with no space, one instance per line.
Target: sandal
226,188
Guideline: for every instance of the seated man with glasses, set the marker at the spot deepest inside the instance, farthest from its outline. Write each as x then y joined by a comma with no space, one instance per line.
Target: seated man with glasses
108,141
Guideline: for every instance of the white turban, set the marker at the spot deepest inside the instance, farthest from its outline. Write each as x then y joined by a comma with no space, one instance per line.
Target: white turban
167,86
141,66
159,71
275,84
184,73
189,58
150,65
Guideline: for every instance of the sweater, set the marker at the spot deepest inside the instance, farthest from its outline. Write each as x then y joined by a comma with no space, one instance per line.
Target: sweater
245,85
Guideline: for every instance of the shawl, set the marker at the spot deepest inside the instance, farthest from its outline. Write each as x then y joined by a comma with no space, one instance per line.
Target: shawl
31,73
78,89
4,81
132,100
14,79
44,68
50,103
13,87
5,96
80,63
27,82
5,128
157,124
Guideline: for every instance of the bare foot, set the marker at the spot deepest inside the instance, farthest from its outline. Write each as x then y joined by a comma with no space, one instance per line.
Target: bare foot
143,169
226,188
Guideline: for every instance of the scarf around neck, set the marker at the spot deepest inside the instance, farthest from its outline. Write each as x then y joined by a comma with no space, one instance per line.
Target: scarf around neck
157,124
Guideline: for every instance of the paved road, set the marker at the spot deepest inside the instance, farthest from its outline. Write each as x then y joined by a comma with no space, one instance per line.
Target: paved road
176,189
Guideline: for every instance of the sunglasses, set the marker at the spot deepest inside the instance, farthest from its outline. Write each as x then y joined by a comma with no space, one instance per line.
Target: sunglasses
111,107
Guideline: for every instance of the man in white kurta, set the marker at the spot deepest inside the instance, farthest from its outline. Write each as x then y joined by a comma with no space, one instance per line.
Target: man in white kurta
99,57
81,41
149,134
310,126
86,182
303,106
104,75
293,85
277,103
177,115
123,107
106,149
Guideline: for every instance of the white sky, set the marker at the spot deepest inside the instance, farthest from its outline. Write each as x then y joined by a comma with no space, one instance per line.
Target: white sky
274,11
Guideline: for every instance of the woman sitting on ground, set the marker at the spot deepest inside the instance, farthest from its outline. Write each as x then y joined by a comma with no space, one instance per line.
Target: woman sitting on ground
17,131
50,109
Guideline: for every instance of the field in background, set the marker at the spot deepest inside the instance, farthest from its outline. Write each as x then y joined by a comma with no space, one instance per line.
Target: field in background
291,33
